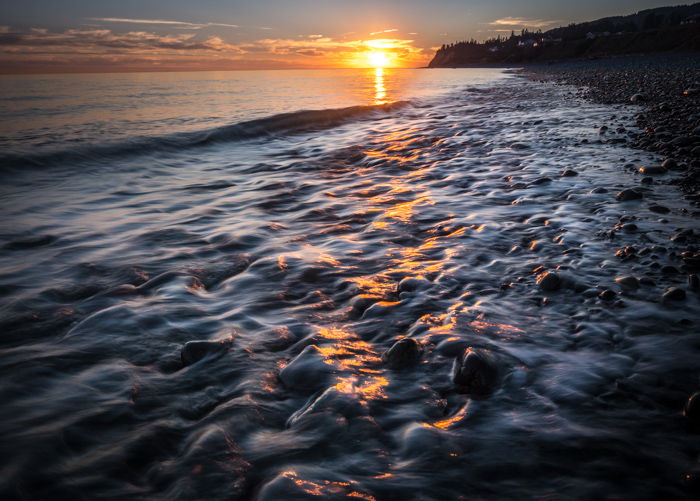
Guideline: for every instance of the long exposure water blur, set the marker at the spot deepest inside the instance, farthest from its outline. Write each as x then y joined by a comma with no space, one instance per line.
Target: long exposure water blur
199,282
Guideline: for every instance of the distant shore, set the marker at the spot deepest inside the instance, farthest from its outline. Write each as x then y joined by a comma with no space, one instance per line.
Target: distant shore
666,86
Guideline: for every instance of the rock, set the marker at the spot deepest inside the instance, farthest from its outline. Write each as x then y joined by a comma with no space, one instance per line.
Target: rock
652,170
542,180
628,282
647,180
669,163
607,295
194,351
404,353
674,294
629,194
659,209
410,284
598,190
691,91
629,227
693,282
475,372
638,98
569,173
550,281
692,408
307,371
330,400
669,270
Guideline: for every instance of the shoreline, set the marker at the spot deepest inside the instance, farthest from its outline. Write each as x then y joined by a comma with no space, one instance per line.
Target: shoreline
666,86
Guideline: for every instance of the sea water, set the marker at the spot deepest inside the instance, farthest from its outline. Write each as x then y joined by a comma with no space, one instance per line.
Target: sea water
301,222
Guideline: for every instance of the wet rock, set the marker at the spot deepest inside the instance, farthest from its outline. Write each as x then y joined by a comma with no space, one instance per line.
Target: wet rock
638,98
628,282
693,282
630,227
410,284
629,194
669,270
569,173
607,295
329,400
194,351
599,190
307,371
647,180
692,409
626,253
542,180
404,353
669,163
659,209
550,281
475,372
652,170
674,294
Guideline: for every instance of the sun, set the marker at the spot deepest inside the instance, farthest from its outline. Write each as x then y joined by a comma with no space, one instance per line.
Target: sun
378,59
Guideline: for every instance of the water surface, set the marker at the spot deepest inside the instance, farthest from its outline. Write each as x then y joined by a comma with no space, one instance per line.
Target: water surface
305,254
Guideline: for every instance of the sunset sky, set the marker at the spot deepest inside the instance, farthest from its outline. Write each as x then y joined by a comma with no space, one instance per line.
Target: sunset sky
129,35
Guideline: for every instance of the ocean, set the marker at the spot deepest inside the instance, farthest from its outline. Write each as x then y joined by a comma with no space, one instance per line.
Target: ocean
203,276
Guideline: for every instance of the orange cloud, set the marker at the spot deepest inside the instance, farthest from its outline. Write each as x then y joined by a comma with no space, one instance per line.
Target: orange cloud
97,49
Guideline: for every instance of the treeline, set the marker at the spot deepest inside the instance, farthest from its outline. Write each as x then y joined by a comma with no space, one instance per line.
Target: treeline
652,30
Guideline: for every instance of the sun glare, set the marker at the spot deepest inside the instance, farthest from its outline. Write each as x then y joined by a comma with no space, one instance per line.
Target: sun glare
378,59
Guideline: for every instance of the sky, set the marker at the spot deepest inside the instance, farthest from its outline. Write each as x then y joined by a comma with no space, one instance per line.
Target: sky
43,36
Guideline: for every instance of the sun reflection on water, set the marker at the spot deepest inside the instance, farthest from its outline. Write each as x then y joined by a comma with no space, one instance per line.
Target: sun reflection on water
379,87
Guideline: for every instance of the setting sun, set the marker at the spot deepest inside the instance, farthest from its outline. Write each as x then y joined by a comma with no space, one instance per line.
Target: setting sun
378,59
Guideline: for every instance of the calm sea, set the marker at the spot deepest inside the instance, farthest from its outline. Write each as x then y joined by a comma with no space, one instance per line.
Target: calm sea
45,113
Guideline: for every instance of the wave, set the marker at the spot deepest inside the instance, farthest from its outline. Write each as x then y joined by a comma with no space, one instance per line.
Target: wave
275,125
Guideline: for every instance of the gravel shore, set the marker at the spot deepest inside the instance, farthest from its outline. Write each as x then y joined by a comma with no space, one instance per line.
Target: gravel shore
666,86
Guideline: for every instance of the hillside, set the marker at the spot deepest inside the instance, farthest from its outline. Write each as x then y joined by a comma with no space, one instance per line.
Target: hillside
653,30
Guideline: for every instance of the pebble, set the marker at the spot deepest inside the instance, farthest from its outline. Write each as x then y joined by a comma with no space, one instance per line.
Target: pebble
600,189
607,295
653,170
629,282
638,98
194,351
550,281
659,209
474,372
542,180
629,194
410,284
569,173
669,163
674,294
630,227
404,353
669,270
307,371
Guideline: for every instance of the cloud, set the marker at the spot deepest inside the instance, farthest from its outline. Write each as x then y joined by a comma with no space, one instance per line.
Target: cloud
104,41
101,49
179,24
384,31
518,22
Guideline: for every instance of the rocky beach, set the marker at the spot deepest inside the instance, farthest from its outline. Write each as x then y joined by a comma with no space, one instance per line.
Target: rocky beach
665,88
488,292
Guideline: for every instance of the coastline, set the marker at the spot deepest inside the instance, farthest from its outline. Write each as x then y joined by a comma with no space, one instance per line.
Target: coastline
665,86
